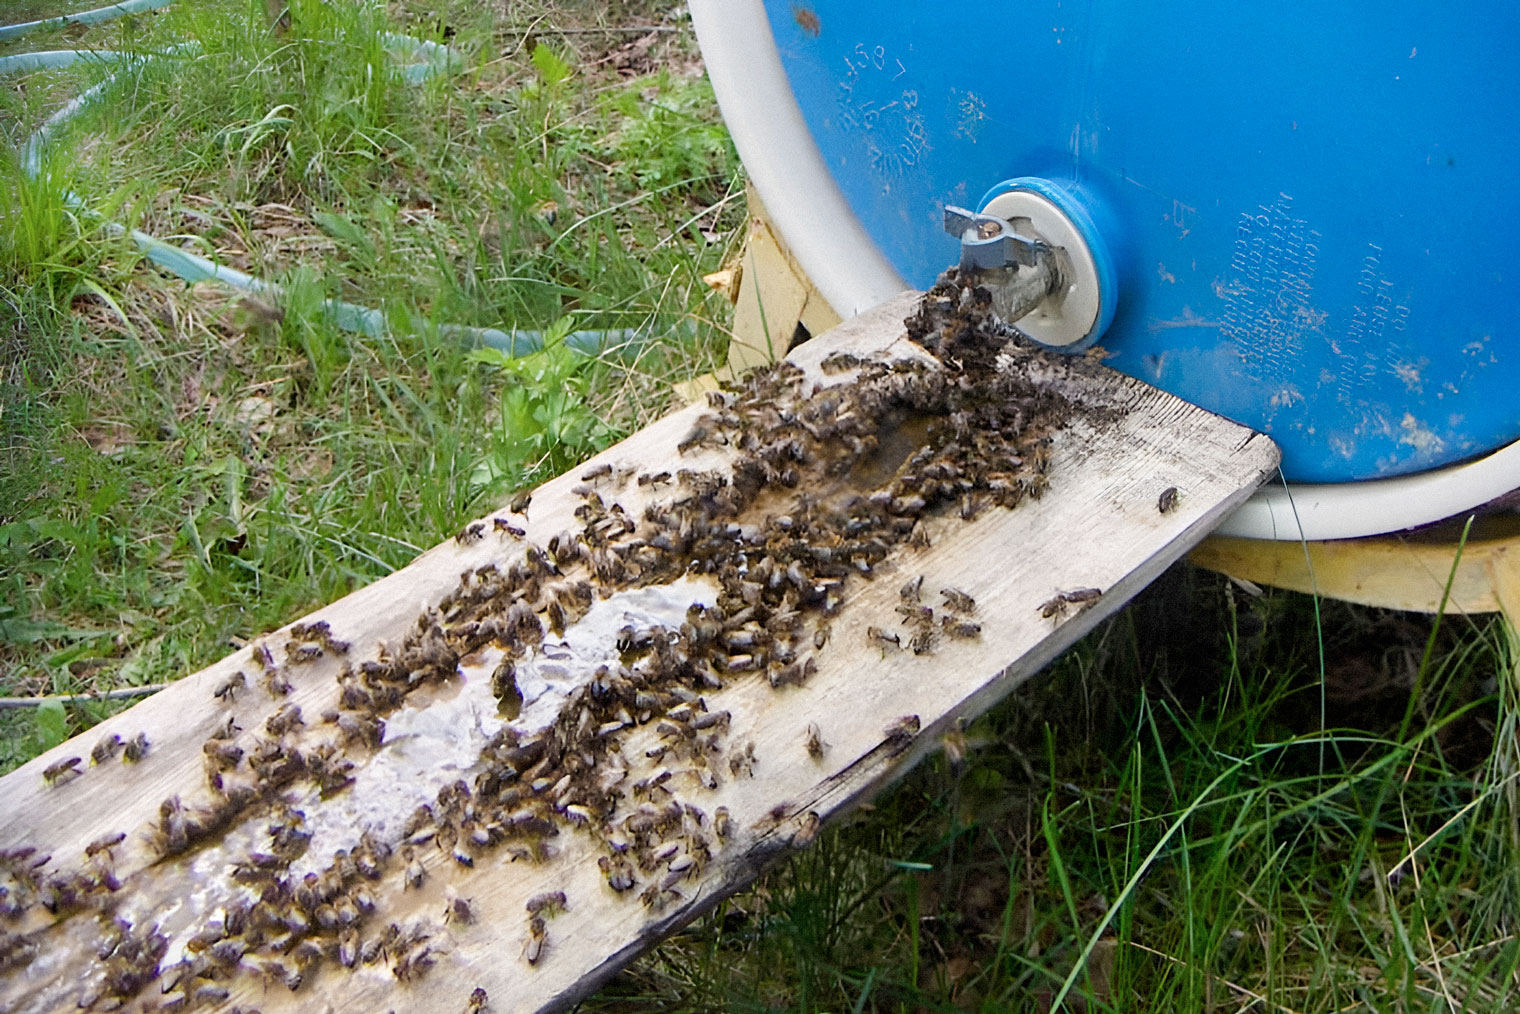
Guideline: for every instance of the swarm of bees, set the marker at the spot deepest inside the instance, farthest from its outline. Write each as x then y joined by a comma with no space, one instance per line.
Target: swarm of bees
782,552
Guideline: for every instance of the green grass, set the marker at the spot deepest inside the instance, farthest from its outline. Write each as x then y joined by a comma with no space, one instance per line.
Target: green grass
185,467
1192,811
1151,822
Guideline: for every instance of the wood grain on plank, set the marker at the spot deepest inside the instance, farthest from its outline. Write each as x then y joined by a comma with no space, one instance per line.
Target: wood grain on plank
876,707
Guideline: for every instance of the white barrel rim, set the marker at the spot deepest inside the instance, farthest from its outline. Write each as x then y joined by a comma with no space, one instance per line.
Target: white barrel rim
851,273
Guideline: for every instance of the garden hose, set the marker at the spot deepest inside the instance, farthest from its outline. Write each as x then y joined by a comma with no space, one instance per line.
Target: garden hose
424,60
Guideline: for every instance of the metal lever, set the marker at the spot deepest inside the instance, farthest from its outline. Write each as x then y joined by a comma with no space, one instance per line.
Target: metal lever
1020,272
990,242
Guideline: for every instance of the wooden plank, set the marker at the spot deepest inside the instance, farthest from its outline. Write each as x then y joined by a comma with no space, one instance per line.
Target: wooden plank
875,710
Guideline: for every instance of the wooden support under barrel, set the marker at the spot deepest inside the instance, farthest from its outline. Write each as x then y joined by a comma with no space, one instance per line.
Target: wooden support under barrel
317,883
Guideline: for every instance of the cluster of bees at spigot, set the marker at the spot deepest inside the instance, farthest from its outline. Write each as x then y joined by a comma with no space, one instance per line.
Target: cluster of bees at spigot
633,749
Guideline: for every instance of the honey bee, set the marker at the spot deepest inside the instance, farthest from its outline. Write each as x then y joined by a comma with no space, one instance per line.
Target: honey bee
61,771
882,638
548,903
902,730
136,749
520,502
1057,605
413,963
348,947
105,749
596,472
807,830
958,601
556,613
700,434
655,896
478,1003
105,843
836,362
284,720
961,629
505,527
302,652
813,740
723,824
222,756
619,874
1167,501
457,909
955,747
473,532
275,683
909,592
795,674
227,729
538,937
415,873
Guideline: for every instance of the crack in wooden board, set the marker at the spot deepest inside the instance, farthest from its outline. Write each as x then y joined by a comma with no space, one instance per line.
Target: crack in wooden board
1097,527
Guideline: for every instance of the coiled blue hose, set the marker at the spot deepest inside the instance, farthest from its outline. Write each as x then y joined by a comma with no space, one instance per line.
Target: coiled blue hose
82,18
423,60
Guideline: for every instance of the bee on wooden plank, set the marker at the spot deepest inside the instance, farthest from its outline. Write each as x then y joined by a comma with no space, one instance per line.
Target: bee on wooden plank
414,873
910,592
520,502
413,964
505,527
596,472
302,652
1058,604
457,909
723,824
105,843
136,749
958,601
222,756
618,872
961,629
813,740
838,362
882,638
742,761
1167,501
538,938
807,830
902,730
107,748
284,720
548,903
478,1003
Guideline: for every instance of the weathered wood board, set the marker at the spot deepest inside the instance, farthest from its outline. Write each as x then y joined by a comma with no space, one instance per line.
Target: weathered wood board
876,709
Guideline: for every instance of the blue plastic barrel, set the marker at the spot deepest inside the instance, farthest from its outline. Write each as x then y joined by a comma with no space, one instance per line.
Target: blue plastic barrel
1310,208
